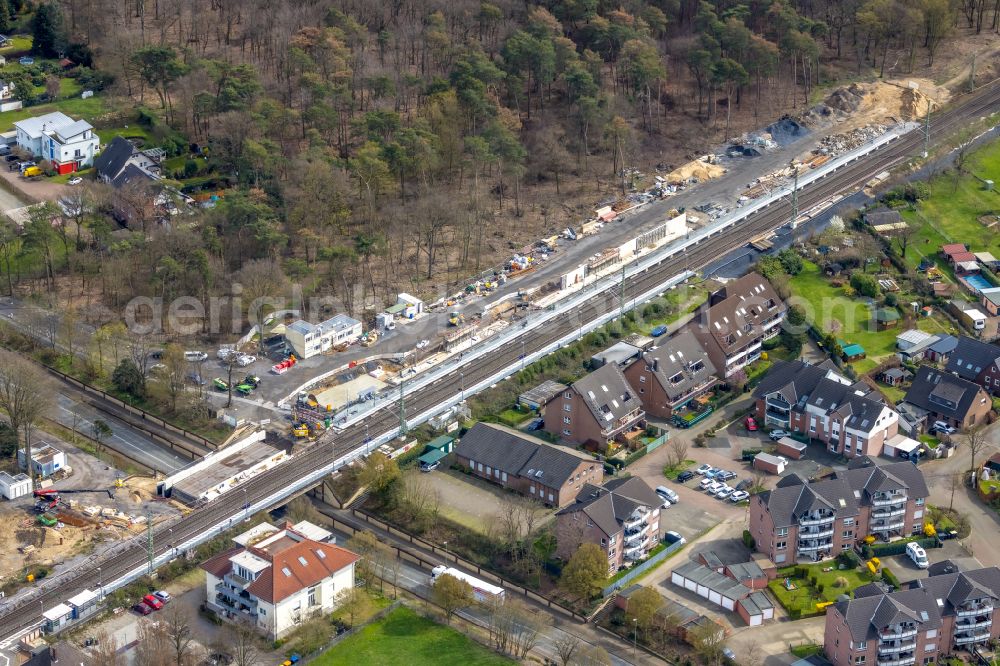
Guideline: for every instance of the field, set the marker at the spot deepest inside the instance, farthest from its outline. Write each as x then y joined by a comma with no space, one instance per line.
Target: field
826,304
404,637
805,596
951,216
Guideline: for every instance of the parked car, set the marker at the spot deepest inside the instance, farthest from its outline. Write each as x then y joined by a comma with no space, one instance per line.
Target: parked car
715,487
423,343
751,424
658,331
739,496
162,595
744,484
725,475
724,492
243,360
151,601
673,537
685,476
195,356
667,493
916,553
196,379
31,172
706,482
942,427
775,435
702,469
142,609
666,503
12,158
75,180
537,424
224,353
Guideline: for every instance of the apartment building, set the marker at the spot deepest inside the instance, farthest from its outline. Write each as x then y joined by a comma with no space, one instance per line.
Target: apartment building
275,579
946,613
595,410
818,403
798,520
550,474
622,517
671,375
738,319
309,339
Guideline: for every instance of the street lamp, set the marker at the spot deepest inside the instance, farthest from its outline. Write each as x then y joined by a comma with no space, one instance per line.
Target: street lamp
635,633
246,506
461,377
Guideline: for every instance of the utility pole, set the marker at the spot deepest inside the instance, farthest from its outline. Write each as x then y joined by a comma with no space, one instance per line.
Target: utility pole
402,408
795,197
972,74
149,541
927,129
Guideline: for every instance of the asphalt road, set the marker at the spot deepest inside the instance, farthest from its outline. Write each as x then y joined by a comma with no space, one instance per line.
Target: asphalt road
131,442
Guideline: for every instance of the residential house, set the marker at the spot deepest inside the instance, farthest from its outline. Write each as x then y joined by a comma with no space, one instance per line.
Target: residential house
977,362
276,580
941,396
597,409
912,344
849,418
69,144
895,376
622,517
800,520
550,474
121,163
738,319
948,612
941,351
311,339
672,375
620,353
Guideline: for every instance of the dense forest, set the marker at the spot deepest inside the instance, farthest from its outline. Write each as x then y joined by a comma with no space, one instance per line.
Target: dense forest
365,146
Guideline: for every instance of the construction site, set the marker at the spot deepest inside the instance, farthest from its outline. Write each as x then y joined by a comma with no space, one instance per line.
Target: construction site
74,513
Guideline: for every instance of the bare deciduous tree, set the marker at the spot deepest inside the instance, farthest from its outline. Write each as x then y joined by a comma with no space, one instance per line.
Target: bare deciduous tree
105,652
566,646
677,449
975,440
177,628
513,630
25,394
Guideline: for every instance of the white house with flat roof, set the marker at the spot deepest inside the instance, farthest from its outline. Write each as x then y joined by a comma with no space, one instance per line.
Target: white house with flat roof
12,487
69,144
311,339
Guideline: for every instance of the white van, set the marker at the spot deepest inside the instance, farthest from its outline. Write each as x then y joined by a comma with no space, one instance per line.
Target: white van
917,554
667,494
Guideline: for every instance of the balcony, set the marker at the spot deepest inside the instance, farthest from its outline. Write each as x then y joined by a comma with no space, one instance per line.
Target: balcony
817,534
889,512
636,523
897,634
623,424
884,500
899,647
972,638
233,606
903,661
639,539
975,609
811,546
239,583
961,627
808,521
886,527
635,552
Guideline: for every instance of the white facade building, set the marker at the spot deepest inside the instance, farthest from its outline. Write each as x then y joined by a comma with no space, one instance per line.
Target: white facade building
277,580
69,144
311,339
12,487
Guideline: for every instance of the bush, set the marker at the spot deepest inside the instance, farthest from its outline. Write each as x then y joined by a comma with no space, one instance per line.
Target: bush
840,582
801,572
748,540
890,577
864,284
848,558
819,588
794,613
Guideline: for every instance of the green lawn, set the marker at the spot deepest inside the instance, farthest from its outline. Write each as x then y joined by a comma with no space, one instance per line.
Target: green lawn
990,486
18,43
672,472
75,107
929,440
951,216
805,597
894,393
826,304
404,637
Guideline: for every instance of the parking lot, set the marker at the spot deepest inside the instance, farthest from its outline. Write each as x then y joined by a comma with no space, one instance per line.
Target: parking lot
907,571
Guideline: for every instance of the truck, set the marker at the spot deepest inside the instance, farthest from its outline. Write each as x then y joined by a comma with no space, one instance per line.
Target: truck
481,590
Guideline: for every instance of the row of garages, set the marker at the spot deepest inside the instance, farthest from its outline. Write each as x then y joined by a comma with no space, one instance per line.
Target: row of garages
752,605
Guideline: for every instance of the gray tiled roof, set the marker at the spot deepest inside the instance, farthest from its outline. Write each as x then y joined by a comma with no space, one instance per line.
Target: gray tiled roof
871,476
942,392
681,364
114,157
608,506
702,575
971,357
925,602
945,345
606,394
515,454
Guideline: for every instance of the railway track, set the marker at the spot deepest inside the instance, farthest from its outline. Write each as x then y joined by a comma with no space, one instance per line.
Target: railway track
21,613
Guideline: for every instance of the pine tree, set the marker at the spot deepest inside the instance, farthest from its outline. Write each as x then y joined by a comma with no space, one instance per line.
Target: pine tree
48,37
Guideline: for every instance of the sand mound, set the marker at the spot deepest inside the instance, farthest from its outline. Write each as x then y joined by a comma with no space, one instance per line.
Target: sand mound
695,169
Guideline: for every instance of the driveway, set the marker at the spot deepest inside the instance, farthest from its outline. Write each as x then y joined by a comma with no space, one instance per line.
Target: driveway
772,641
907,571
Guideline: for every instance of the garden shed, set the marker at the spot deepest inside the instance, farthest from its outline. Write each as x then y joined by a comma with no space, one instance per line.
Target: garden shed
852,352
886,318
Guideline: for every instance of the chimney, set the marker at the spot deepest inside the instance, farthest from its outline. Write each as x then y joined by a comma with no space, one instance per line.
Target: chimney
656,364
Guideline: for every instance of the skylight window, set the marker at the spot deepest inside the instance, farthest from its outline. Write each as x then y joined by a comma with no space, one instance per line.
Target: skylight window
320,554
286,571
302,561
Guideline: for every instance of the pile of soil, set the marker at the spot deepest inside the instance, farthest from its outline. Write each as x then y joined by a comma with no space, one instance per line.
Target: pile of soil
878,102
786,130
695,169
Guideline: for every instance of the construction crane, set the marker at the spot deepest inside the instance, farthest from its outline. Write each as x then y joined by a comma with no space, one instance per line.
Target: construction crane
55,492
